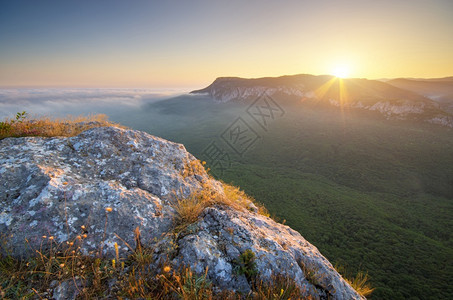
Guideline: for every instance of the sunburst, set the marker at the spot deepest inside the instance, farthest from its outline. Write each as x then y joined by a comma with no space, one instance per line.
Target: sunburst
341,71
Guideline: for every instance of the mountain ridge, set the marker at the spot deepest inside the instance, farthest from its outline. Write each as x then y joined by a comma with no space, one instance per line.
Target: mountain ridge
391,101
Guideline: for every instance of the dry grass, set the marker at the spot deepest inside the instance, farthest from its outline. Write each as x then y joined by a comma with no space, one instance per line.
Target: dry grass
187,210
34,277
23,125
188,285
359,282
102,278
281,288
192,168
239,199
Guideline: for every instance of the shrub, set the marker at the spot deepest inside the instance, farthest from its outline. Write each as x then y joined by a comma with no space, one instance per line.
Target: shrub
246,264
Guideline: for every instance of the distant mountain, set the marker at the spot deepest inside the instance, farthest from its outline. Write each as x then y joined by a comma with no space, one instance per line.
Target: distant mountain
437,89
444,79
389,100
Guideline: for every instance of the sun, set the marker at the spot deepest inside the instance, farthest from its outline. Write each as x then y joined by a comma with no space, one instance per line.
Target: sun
341,71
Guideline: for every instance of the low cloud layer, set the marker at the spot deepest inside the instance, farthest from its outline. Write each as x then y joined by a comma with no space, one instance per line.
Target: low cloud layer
61,102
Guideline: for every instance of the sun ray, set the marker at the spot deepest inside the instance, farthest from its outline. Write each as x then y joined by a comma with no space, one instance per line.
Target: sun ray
335,92
321,91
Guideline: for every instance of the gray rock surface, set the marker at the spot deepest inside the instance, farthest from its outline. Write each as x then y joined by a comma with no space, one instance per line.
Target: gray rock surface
222,234
54,186
67,290
96,188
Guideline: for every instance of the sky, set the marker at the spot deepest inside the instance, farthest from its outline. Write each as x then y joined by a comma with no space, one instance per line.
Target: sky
163,44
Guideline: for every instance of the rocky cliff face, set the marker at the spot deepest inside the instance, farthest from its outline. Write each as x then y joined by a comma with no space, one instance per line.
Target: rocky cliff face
96,188
390,101
225,89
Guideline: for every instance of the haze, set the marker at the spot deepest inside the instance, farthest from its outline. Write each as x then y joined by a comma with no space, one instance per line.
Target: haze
188,44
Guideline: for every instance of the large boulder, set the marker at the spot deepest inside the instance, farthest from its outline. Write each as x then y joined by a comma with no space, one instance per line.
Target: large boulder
95,189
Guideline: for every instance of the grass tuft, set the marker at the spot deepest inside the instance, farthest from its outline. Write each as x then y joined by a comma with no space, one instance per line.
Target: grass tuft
187,210
359,282
192,168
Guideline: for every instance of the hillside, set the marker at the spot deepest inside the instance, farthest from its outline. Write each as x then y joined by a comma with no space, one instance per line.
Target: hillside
439,90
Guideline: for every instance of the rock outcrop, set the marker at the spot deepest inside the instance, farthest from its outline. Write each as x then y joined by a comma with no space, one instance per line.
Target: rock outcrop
226,89
372,95
96,188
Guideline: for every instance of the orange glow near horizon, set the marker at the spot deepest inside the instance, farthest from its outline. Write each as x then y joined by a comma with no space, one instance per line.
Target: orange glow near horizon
152,44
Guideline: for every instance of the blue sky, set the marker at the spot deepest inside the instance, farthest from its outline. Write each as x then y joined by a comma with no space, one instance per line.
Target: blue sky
189,43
